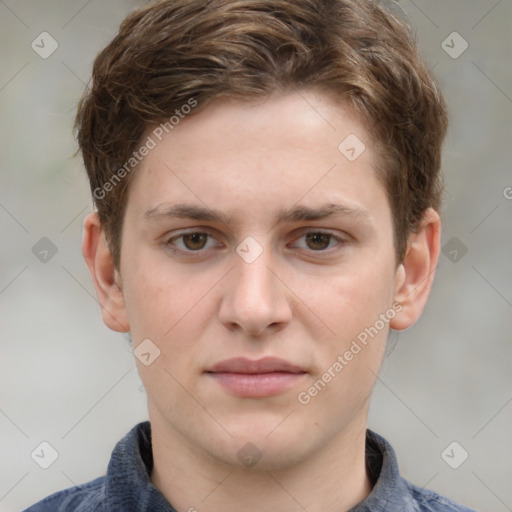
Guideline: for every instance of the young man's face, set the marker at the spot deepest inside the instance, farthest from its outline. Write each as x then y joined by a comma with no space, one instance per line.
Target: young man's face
249,234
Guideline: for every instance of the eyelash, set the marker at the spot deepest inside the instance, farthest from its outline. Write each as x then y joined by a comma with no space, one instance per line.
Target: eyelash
169,243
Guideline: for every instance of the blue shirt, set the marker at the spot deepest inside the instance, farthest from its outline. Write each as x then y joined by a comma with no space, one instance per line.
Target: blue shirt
127,485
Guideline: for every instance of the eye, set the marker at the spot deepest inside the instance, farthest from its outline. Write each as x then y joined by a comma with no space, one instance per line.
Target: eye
317,241
192,242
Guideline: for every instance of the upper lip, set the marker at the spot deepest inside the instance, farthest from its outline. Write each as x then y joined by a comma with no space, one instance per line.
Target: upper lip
264,365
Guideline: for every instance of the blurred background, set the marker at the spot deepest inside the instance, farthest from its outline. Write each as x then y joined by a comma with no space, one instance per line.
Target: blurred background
444,396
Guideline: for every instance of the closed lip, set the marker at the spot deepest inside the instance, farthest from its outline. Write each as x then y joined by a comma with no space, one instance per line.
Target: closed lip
264,365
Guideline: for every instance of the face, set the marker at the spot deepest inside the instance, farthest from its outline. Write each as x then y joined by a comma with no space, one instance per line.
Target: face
259,260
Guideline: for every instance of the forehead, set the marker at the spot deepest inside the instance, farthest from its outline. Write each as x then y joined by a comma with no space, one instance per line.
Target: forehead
299,146
284,121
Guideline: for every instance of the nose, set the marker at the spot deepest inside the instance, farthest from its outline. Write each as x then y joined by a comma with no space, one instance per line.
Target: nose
255,300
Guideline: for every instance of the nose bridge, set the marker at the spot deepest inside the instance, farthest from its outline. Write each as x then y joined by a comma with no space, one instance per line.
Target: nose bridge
253,279
254,299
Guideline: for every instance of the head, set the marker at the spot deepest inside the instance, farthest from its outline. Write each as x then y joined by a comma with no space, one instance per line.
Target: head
267,180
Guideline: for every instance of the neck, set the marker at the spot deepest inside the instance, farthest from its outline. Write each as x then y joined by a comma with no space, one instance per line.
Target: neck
333,479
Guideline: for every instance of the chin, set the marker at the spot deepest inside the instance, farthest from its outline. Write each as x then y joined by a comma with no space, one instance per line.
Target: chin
262,450
261,456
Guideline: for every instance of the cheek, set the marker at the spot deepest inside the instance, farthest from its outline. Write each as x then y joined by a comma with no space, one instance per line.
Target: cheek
148,302
349,359
154,298
167,306
354,300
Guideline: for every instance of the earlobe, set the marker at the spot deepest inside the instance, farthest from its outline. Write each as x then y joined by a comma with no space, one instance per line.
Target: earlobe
415,274
107,280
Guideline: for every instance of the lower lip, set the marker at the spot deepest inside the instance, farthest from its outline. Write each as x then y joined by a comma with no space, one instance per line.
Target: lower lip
257,385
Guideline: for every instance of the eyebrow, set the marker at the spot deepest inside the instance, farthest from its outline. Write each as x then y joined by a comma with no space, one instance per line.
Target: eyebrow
294,214
187,211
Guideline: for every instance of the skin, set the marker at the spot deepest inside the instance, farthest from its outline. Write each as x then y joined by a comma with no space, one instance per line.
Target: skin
300,300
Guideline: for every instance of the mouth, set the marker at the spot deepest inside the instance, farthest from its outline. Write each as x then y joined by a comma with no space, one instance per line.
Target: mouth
256,378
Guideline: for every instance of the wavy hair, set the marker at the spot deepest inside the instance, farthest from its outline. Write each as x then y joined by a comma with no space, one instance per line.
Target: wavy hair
170,51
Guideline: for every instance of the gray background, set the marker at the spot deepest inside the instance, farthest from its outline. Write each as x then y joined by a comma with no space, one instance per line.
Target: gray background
67,380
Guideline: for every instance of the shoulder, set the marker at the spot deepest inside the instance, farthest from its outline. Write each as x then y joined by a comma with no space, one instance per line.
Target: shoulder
424,500
82,498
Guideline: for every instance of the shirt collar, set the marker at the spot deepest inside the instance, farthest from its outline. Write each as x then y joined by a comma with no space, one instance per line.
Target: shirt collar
128,485
390,491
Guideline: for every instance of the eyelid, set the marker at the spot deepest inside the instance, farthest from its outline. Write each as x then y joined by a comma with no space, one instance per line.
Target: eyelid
168,241
342,237
306,231
301,232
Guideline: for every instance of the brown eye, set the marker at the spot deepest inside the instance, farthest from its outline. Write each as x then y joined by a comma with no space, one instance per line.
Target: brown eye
195,241
318,241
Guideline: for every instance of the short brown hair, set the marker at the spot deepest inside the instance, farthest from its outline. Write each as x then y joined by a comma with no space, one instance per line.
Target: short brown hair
171,51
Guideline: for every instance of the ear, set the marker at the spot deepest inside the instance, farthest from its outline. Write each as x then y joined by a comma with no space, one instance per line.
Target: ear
415,274
107,280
